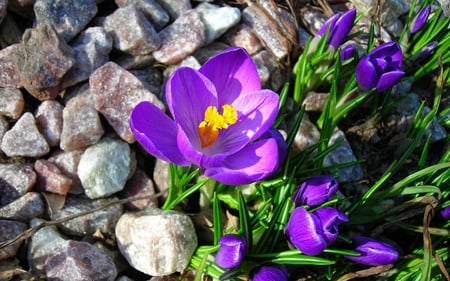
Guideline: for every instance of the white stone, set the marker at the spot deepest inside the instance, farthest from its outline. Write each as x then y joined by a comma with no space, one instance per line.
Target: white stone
217,20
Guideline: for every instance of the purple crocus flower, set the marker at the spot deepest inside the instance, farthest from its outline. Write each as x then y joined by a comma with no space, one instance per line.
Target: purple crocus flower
381,68
373,252
312,232
315,191
232,250
425,52
445,213
340,26
421,18
220,114
269,273
347,52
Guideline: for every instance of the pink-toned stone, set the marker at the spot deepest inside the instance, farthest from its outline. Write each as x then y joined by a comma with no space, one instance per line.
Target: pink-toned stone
140,185
243,36
180,39
116,92
131,31
315,101
15,181
49,119
67,162
9,71
24,208
43,58
151,9
81,122
9,230
24,139
50,178
11,102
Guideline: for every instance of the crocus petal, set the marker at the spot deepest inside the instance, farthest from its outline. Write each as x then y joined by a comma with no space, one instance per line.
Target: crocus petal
330,218
366,74
281,143
304,231
389,79
156,132
419,21
445,213
254,162
373,252
391,50
188,94
347,52
342,27
315,191
233,73
232,250
269,273
329,23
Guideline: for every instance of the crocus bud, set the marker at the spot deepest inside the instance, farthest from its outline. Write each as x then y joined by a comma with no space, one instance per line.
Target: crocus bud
311,233
373,252
381,68
232,250
347,52
425,52
421,18
269,273
340,26
315,191
445,213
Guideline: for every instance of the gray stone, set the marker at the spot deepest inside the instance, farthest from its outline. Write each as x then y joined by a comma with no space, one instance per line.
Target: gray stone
151,78
151,9
308,134
9,70
161,176
92,50
314,18
131,31
26,207
49,120
4,126
50,178
67,17
180,39
115,93
24,139
243,36
104,167
11,102
81,122
103,220
67,162
217,20
156,242
175,7
9,230
15,181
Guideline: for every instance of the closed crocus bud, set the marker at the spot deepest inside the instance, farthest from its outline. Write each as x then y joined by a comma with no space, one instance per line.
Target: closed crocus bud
311,233
381,68
373,252
232,250
425,52
269,273
340,26
419,21
347,52
445,213
315,191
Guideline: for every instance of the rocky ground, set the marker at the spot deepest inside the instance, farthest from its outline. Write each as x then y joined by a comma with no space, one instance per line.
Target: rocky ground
72,71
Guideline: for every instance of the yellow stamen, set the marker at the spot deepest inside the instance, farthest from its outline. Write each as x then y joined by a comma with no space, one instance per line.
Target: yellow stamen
208,129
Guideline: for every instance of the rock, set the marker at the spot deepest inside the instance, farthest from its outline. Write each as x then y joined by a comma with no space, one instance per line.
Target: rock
128,61
315,101
50,178
92,50
9,230
104,167
217,20
308,134
77,261
11,102
116,92
156,242
151,78
26,207
243,36
24,139
81,122
67,17
340,155
175,7
4,126
151,9
314,19
3,6
180,39
131,31
43,58
103,220
49,120
9,69
140,185
161,176
67,163
15,181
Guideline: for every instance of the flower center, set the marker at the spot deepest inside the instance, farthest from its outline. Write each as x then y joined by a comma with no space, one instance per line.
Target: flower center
208,129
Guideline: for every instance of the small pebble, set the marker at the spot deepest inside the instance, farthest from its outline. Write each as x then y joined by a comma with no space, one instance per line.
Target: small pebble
8,230
243,36
50,178
137,186
11,102
151,9
16,180
49,120
26,207
67,162
9,70
175,7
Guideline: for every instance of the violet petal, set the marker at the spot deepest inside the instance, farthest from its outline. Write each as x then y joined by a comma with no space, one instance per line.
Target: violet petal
366,74
342,27
232,250
315,191
330,219
389,79
269,273
445,213
373,252
421,18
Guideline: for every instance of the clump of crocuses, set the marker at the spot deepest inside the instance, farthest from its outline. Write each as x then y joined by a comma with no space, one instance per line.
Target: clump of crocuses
220,117
315,191
373,252
381,68
232,249
269,273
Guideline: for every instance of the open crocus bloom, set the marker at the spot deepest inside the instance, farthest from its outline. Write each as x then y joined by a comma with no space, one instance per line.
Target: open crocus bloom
220,117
